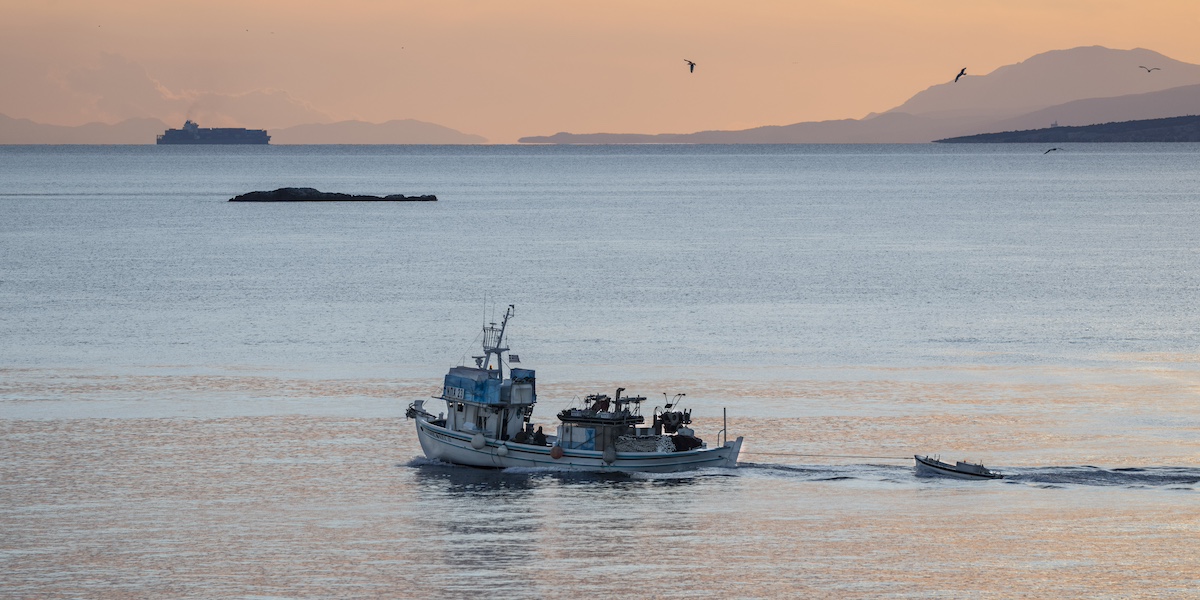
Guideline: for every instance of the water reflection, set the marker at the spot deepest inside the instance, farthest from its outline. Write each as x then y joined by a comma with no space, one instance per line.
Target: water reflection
468,480
447,478
495,527
478,521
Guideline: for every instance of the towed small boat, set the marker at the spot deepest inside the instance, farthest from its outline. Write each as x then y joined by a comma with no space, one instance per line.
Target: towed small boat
932,467
489,423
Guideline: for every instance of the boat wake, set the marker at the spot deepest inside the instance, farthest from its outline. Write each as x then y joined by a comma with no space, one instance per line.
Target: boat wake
1150,477
682,475
1171,478
420,461
1180,478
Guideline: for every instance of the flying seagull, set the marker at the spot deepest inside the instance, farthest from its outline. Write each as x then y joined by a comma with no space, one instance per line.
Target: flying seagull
960,74
1148,69
1051,150
691,66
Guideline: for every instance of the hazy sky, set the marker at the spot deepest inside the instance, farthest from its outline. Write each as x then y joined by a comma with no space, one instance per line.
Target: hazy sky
504,69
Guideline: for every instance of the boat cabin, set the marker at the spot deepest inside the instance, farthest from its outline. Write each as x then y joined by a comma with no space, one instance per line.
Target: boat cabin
601,422
479,401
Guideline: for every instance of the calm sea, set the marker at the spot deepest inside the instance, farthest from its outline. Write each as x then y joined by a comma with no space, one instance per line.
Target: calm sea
203,399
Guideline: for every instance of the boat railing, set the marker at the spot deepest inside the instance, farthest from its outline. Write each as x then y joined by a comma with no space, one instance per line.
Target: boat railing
723,434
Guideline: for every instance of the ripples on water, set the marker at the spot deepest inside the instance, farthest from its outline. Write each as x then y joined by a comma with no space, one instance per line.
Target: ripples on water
296,487
205,400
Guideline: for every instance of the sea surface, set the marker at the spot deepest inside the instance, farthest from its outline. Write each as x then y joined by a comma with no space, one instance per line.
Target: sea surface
203,399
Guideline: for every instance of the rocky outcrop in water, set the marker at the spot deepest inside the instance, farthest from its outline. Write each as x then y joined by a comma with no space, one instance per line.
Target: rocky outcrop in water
290,194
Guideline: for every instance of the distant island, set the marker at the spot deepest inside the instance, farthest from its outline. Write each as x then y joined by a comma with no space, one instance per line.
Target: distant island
1173,129
291,194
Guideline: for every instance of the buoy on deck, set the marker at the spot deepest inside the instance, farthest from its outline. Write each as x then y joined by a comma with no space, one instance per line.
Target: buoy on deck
556,452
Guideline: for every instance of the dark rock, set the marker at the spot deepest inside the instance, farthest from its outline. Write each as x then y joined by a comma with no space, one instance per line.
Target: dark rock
315,195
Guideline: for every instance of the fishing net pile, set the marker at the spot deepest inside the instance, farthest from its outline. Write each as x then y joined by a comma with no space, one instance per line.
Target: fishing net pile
648,443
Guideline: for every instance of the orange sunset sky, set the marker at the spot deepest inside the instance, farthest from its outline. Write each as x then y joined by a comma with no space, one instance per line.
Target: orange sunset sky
505,69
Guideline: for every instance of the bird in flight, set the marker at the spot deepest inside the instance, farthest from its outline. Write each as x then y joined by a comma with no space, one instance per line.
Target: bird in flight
691,66
1148,69
960,74
1051,150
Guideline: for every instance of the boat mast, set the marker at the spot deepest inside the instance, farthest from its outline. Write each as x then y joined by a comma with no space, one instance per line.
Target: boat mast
493,340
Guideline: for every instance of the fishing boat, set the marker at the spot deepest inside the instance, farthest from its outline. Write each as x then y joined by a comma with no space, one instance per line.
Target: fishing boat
488,422
932,467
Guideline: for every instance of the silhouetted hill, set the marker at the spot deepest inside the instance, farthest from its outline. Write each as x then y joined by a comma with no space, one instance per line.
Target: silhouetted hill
406,131
1174,129
1053,78
1079,86
1173,102
132,131
895,128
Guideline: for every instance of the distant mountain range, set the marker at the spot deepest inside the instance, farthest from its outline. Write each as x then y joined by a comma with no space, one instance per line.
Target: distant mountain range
1074,87
145,131
132,131
1079,86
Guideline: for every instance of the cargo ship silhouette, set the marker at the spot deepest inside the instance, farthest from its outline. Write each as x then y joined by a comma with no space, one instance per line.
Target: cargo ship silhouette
194,134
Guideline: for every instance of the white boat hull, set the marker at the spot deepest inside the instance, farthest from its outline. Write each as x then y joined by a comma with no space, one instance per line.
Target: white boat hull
927,467
455,447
